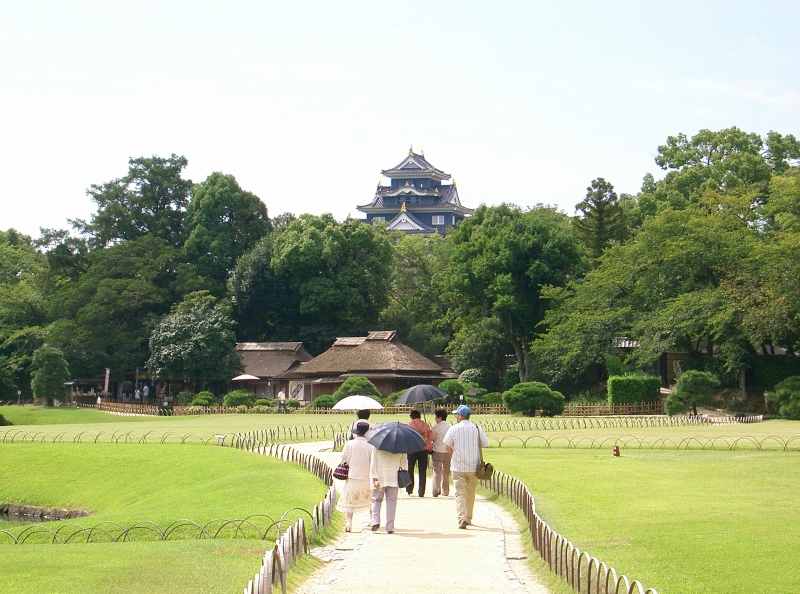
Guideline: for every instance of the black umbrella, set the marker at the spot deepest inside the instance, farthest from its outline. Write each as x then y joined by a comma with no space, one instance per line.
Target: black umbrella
395,437
421,393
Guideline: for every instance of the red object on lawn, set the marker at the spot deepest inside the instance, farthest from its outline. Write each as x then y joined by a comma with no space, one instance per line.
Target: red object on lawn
616,451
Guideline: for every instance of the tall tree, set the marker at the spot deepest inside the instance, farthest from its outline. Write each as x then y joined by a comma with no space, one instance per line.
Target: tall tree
313,280
195,342
150,200
223,222
602,222
501,258
50,371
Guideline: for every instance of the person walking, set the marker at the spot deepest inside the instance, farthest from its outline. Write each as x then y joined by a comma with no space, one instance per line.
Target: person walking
363,417
357,492
464,440
441,457
419,458
383,472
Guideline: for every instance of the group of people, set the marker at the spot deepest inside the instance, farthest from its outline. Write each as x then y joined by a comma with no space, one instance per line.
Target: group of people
373,473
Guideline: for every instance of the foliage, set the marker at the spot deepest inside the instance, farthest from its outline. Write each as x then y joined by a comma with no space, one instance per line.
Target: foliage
222,222
183,398
204,398
480,345
615,366
312,280
292,403
787,397
195,343
532,397
633,388
501,257
49,372
4,422
769,370
104,316
454,388
269,402
239,398
602,223
150,200
484,378
415,307
493,398
324,401
356,385
511,377
693,388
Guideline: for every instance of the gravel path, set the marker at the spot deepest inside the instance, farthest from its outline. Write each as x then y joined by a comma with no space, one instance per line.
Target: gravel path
427,552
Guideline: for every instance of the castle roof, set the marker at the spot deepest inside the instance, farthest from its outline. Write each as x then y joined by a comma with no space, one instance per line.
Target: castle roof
415,166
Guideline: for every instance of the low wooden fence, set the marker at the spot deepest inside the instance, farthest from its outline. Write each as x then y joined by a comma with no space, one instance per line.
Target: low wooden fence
603,409
584,573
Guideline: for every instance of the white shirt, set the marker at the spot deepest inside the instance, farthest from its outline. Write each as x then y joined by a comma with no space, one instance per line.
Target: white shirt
439,431
357,453
463,438
385,465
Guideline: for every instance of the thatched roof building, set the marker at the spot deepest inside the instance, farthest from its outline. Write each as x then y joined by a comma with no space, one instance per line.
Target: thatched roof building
379,356
267,360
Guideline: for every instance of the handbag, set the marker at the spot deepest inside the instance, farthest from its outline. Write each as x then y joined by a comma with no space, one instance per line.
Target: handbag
484,470
403,478
341,472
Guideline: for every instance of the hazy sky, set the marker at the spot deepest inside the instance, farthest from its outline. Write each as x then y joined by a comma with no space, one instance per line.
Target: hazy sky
305,102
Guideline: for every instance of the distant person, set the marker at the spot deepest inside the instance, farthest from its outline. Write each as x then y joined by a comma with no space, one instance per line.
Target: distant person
441,457
462,440
363,416
99,400
282,401
357,491
145,391
420,458
137,395
383,472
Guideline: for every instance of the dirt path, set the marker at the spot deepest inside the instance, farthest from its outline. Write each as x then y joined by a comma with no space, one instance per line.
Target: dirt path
427,552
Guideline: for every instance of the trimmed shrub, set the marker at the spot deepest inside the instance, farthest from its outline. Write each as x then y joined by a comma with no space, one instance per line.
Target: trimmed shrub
355,385
324,401
493,399
269,402
530,397
184,398
633,388
787,397
239,398
204,398
292,403
389,400
693,388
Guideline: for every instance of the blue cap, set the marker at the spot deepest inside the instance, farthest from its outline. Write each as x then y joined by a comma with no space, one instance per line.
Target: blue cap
463,410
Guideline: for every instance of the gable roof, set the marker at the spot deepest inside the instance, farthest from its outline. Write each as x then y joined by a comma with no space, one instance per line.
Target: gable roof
415,165
405,221
268,359
378,352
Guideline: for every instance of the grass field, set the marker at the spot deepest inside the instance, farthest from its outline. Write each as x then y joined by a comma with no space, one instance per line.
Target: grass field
685,522
126,483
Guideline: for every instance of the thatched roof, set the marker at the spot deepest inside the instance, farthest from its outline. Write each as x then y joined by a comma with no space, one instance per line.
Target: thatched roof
378,352
268,359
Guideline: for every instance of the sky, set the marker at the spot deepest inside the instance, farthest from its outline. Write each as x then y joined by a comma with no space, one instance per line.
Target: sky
306,102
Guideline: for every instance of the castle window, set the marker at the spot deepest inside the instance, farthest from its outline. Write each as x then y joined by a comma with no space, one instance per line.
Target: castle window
437,220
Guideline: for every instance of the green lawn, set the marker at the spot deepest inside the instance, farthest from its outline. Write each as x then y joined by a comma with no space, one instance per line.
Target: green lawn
126,483
684,522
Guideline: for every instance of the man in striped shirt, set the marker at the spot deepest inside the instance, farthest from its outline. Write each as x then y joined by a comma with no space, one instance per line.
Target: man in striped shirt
462,440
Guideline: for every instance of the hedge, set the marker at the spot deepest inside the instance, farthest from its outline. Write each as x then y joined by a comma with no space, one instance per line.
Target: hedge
633,388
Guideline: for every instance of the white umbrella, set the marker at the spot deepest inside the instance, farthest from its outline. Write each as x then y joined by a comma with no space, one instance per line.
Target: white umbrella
357,402
245,377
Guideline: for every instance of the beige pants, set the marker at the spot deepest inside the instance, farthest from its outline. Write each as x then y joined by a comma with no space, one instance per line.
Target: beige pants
441,473
465,483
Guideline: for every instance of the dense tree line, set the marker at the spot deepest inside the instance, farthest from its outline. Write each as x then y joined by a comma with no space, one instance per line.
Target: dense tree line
167,274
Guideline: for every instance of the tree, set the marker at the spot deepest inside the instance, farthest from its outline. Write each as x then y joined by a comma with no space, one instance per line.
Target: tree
602,223
356,385
787,397
150,200
311,281
222,223
481,345
693,387
501,258
195,342
532,397
50,371
416,308
104,318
